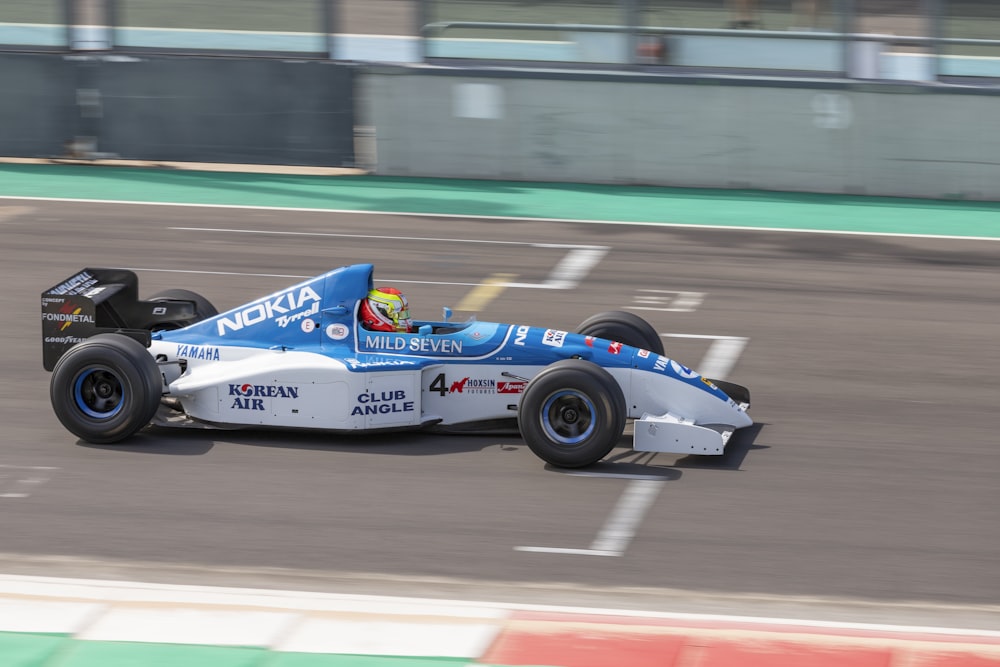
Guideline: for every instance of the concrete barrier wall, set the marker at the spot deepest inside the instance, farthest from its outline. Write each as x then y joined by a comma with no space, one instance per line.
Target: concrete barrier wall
37,104
265,111
884,139
229,110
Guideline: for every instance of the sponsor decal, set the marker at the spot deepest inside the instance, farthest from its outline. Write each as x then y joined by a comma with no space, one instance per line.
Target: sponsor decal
553,338
251,396
159,310
521,335
68,315
615,347
65,340
421,344
75,285
337,331
268,390
277,309
643,353
682,370
432,345
472,385
661,363
376,363
206,352
285,320
589,341
469,385
308,325
709,383
382,403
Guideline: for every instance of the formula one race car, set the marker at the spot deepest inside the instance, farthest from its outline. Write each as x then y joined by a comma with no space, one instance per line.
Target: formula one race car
299,358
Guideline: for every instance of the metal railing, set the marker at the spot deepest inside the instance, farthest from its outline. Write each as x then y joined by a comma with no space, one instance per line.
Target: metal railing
324,32
633,33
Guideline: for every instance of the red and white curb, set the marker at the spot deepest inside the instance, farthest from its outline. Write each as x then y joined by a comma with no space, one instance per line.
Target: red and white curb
494,634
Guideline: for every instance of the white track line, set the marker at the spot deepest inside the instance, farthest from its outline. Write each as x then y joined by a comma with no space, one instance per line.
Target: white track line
725,228
621,525
75,591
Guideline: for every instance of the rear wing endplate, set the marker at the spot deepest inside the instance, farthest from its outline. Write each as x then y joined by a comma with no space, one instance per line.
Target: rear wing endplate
94,301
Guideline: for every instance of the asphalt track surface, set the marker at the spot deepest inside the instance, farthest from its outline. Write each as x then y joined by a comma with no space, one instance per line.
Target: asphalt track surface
868,484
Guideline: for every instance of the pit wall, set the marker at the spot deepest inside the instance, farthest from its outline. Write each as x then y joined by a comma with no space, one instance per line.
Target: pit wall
177,108
892,139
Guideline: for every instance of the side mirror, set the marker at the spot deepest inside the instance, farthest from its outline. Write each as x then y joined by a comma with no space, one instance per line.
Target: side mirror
446,313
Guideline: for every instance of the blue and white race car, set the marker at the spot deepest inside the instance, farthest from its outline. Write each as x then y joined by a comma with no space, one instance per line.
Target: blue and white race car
299,358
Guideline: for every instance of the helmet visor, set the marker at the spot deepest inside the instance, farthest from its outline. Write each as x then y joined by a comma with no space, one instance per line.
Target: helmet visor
392,306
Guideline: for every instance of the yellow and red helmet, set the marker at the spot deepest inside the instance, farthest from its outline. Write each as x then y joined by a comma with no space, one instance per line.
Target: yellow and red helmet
386,309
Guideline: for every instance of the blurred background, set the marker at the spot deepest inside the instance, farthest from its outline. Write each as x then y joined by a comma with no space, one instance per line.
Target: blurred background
937,37
884,97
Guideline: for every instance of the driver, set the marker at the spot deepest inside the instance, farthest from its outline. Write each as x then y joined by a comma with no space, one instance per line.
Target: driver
386,309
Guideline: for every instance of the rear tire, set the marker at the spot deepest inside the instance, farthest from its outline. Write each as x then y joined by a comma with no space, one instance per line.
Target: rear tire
572,413
623,327
203,308
106,388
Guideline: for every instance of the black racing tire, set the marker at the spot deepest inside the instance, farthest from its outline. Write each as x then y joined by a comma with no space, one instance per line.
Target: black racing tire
106,388
572,413
203,308
624,327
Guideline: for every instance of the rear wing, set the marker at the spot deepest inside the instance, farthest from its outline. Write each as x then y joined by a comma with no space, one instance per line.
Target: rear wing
95,301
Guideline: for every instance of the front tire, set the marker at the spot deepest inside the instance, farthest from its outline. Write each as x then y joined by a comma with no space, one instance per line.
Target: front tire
623,327
106,388
572,413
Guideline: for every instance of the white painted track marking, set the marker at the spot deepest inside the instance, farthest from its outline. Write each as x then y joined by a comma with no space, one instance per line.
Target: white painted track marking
566,274
574,552
20,614
515,218
69,593
19,481
613,475
218,627
721,356
408,638
381,237
621,525
11,212
296,276
667,300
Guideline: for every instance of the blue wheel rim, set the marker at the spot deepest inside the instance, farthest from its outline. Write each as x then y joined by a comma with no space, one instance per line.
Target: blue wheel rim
568,417
98,392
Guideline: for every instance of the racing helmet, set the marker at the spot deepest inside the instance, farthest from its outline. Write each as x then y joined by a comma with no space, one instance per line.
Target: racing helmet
386,309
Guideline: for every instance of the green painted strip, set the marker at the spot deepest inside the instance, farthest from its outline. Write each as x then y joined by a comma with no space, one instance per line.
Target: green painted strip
719,208
125,654
39,650
30,650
